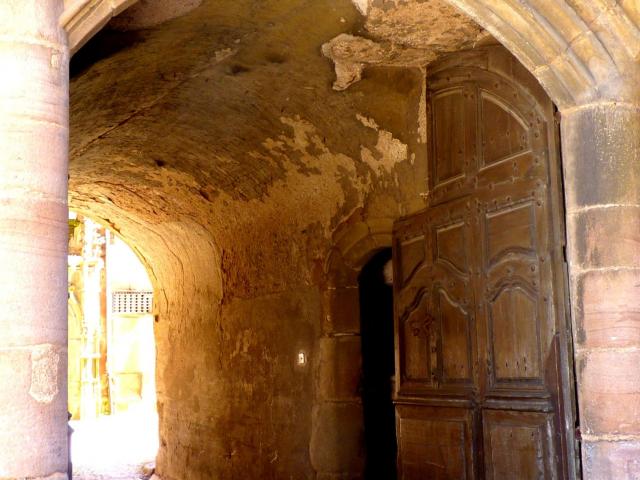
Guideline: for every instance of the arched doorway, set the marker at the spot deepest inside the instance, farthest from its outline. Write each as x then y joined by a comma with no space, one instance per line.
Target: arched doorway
111,362
378,365
485,378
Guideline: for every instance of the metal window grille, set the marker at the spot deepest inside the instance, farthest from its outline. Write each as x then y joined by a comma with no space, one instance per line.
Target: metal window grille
129,302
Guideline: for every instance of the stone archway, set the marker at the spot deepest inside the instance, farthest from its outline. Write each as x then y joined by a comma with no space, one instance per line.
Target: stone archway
586,55
584,52
337,424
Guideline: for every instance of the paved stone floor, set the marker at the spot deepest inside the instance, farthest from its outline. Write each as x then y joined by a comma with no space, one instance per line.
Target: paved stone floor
114,447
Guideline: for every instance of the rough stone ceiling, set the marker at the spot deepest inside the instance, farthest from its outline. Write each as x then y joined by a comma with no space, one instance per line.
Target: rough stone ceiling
401,33
225,115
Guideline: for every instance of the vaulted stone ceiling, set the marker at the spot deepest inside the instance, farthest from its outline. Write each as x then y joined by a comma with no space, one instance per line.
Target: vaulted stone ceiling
215,145
231,103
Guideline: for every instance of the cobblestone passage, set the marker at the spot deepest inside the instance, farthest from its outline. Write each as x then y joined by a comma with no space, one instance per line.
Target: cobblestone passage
114,447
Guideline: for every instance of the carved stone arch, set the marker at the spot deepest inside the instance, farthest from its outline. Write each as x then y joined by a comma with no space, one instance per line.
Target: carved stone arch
82,19
337,424
581,52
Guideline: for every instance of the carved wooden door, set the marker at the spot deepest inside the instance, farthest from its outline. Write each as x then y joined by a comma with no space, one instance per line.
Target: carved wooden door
483,381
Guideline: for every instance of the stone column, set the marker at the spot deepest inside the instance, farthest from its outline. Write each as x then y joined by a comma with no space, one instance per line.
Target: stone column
33,239
601,155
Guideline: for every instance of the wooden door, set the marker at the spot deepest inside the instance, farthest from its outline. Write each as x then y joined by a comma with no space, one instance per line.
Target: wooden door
483,380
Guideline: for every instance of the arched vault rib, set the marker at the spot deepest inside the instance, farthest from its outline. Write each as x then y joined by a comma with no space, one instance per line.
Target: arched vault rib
82,19
580,51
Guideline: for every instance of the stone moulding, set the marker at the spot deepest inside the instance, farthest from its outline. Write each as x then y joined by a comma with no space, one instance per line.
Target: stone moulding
82,19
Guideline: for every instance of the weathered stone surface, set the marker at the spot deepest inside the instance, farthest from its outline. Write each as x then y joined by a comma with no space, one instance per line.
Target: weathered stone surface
31,415
608,460
606,309
340,368
406,34
610,392
214,143
342,310
33,223
601,146
600,154
619,223
336,441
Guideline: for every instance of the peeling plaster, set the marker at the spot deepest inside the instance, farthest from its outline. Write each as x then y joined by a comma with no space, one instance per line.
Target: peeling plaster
367,122
389,152
409,33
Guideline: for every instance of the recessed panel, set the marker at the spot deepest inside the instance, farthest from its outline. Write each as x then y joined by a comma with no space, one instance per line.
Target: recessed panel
455,326
510,231
434,446
417,339
411,255
449,135
517,445
450,246
503,133
514,335
416,350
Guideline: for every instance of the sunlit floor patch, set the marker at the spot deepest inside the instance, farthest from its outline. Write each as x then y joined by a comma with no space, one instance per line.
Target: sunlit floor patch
114,447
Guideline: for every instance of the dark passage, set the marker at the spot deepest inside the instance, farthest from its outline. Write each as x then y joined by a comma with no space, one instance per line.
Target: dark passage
376,317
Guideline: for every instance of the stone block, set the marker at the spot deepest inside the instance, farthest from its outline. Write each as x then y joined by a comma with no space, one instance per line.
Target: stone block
380,225
362,251
611,460
342,310
339,274
601,148
605,237
607,308
340,368
609,383
351,236
337,438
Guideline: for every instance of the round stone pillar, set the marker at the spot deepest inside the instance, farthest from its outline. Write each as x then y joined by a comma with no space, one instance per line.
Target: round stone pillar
601,155
33,239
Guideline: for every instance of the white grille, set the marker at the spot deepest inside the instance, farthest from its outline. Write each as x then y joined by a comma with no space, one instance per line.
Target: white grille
131,302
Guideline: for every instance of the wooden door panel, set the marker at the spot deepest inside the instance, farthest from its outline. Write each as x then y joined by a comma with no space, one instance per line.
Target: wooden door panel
503,134
449,114
418,362
510,231
436,443
519,446
457,331
514,336
479,326
435,308
515,309
450,246
409,249
453,152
